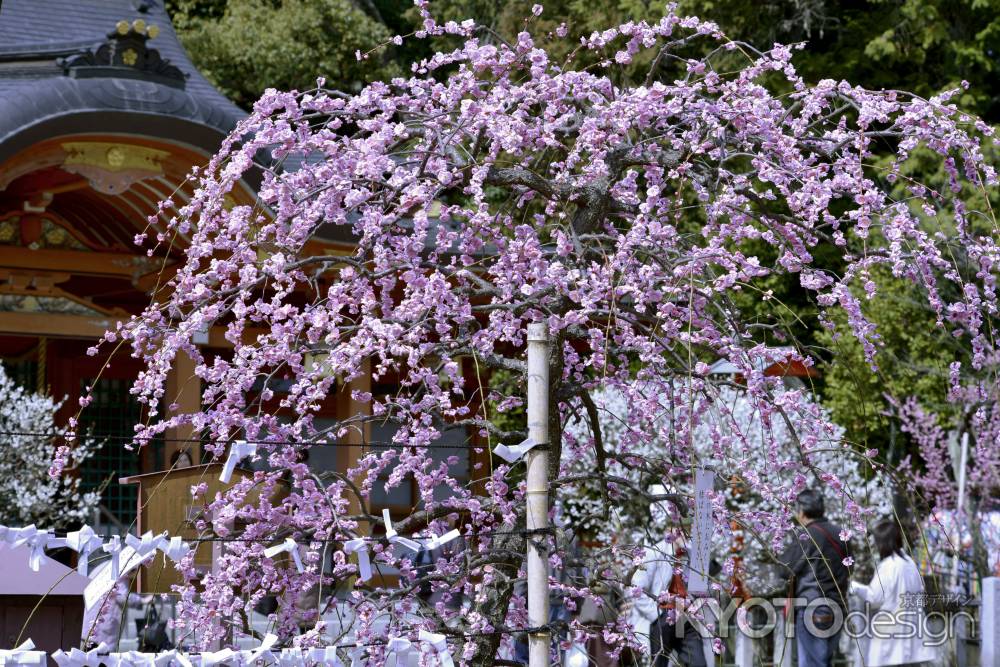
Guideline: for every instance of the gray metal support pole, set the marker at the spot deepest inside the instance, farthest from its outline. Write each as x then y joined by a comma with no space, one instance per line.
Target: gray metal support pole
537,513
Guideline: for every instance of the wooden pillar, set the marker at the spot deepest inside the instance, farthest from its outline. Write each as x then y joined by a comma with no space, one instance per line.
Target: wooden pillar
184,389
41,372
347,406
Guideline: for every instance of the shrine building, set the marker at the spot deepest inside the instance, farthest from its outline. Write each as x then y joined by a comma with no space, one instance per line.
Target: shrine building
102,116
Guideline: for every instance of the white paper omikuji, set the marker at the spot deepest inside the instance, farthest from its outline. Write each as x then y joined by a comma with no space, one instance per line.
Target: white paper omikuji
441,540
34,539
394,537
145,548
146,544
84,541
393,648
360,547
289,547
237,452
114,547
398,652
38,543
77,658
291,657
175,549
263,650
139,659
210,658
513,453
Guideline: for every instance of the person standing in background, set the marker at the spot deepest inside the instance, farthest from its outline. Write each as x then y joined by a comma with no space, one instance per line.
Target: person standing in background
817,564
657,611
894,594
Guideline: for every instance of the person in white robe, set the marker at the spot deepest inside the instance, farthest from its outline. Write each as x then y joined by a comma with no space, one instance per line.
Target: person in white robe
895,598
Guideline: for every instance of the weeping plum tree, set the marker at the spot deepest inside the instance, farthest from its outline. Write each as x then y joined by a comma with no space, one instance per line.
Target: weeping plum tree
494,188
936,475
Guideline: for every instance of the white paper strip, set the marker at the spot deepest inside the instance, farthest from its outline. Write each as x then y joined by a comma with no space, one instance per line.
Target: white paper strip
441,540
38,543
143,549
398,652
147,544
514,452
36,540
164,659
394,537
139,659
114,547
290,547
210,658
238,451
701,533
360,547
393,648
18,536
290,657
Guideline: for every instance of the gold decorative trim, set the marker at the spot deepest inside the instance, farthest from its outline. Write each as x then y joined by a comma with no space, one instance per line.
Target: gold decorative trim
114,157
112,168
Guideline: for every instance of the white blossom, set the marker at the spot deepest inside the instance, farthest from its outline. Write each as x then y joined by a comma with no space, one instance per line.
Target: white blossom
732,436
29,443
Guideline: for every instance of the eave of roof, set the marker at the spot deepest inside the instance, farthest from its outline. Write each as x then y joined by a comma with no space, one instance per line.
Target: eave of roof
35,91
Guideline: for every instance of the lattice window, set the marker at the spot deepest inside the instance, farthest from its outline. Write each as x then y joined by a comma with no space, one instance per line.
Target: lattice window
113,413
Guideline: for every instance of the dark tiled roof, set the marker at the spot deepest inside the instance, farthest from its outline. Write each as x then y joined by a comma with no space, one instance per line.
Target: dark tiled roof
35,92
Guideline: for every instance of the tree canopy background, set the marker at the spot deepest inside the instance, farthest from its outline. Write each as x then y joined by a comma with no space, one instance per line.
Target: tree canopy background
246,46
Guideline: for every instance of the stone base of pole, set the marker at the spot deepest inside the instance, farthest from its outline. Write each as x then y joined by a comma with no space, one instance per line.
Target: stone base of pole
783,644
989,623
744,653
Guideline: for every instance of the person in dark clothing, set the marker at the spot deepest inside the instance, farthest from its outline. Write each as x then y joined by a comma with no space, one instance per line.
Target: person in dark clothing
820,578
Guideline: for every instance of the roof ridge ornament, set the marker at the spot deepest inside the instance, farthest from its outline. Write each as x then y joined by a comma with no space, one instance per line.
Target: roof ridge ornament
125,55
